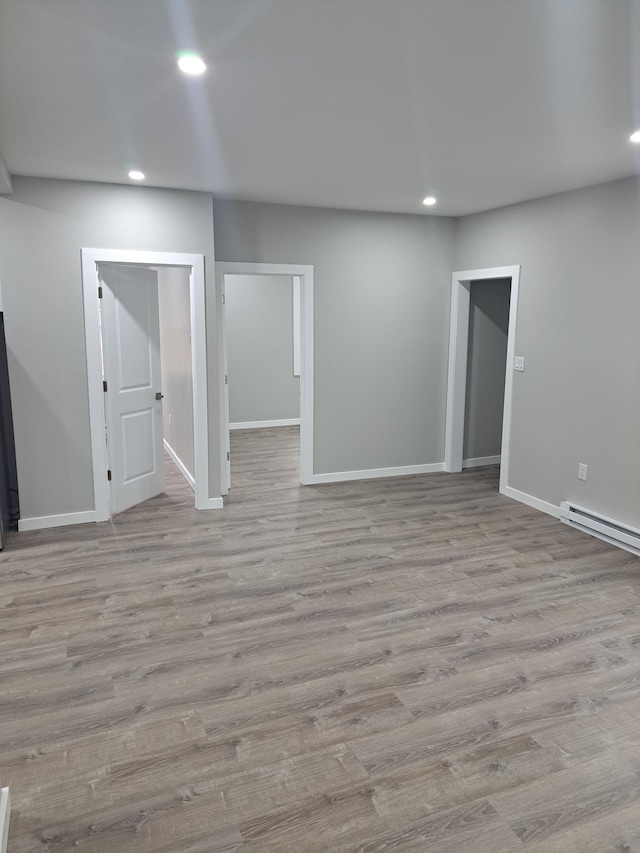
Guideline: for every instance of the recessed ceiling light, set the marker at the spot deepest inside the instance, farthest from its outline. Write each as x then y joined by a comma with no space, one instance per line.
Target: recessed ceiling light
429,200
190,63
136,175
635,136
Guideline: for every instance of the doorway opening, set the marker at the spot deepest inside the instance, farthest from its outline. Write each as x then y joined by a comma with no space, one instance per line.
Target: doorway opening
262,329
457,372
486,371
92,259
301,277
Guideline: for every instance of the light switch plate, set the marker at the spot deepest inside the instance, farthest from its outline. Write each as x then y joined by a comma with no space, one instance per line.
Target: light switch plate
519,363
582,471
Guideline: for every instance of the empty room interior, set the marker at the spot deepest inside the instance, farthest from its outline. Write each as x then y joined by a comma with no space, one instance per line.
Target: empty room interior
319,426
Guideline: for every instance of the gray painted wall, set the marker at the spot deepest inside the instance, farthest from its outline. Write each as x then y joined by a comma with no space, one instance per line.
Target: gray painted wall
259,316
43,226
486,364
174,305
381,328
578,399
382,294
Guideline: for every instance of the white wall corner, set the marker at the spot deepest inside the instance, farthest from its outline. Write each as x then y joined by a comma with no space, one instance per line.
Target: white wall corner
5,813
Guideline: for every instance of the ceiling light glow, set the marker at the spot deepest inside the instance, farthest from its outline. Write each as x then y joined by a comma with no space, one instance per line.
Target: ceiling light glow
136,175
190,63
429,200
635,136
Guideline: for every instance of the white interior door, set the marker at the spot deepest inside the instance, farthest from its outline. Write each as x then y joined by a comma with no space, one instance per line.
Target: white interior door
133,407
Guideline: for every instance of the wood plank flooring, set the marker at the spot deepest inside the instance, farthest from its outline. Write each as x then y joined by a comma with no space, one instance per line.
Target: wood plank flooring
411,664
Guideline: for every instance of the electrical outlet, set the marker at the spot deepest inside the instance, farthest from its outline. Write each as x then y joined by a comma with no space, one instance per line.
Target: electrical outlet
518,363
582,471
170,420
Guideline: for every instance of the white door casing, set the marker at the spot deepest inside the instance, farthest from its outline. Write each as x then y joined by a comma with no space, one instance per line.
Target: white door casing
225,434
133,404
296,283
457,371
304,273
296,300
91,257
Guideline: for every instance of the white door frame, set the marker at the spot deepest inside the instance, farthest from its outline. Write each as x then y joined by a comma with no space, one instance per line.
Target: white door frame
457,373
305,274
90,260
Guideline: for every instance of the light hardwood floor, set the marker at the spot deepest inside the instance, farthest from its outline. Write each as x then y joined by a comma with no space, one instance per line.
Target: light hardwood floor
411,664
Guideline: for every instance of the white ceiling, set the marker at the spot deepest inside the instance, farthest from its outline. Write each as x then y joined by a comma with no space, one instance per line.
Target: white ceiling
364,104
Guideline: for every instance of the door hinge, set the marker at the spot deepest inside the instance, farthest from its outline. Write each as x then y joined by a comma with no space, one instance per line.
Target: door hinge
109,476
224,299
104,384
228,456
99,292
226,379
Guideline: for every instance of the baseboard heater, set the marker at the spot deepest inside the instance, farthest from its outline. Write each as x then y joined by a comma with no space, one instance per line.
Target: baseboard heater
600,526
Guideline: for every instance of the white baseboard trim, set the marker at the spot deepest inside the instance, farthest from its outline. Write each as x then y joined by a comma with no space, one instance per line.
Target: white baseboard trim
264,424
183,470
479,461
5,813
375,473
45,521
529,500
61,520
212,503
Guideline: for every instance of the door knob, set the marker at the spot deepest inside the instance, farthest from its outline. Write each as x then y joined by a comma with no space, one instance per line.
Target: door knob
159,395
